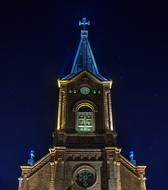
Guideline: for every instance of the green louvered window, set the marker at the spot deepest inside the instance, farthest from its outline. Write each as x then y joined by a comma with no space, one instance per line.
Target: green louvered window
85,120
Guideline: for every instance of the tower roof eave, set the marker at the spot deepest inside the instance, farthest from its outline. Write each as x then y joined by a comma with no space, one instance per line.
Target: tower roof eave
78,75
71,75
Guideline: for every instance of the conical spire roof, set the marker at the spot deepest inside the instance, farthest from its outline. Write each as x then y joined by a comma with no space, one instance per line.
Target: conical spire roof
84,59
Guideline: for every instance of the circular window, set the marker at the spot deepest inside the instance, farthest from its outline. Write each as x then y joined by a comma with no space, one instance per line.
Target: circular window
85,178
84,90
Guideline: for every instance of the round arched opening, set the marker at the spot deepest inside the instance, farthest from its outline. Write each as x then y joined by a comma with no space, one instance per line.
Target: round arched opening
85,119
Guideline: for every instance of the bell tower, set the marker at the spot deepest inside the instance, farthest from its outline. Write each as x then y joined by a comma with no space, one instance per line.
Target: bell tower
84,112
85,154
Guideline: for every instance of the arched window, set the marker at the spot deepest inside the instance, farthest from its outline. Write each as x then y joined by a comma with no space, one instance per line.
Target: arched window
85,118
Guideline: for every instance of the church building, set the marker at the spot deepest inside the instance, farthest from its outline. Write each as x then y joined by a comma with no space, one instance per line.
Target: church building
84,154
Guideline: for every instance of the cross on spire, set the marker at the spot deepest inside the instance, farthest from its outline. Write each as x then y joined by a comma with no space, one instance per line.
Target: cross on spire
84,23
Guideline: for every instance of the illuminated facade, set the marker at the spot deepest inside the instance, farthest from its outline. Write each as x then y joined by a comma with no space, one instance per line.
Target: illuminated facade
85,154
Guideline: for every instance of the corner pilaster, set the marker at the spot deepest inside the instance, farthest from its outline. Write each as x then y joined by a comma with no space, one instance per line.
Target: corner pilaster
141,172
52,168
113,164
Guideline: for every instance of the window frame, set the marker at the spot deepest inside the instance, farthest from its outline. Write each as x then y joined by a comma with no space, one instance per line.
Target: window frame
76,110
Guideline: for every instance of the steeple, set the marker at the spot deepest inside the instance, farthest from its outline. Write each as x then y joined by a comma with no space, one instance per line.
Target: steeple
84,59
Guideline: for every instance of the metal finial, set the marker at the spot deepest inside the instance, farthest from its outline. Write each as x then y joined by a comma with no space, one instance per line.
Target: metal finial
132,157
84,23
32,156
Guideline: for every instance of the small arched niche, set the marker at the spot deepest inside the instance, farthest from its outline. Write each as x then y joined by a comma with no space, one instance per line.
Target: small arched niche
85,118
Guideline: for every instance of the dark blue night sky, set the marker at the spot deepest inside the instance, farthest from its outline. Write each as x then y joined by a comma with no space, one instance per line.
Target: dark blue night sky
38,42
